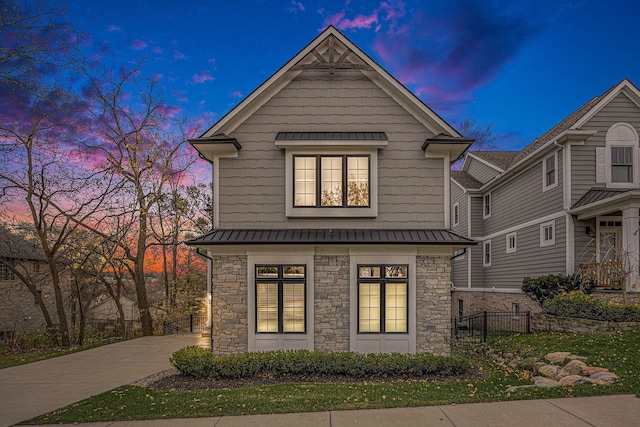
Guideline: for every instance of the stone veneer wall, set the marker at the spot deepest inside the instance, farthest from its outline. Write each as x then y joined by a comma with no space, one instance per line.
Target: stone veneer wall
476,302
331,309
433,305
230,304
542,322
616,296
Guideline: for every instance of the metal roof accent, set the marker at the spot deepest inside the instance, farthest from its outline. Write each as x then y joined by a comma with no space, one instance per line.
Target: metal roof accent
466,180
333,236
216,139
445,139
331,136
597,194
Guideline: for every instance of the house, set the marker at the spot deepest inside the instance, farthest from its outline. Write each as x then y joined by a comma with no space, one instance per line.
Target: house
331,211
20,309
566,203
104,308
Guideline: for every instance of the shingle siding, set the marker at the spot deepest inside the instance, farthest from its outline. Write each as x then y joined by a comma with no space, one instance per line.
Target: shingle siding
410,187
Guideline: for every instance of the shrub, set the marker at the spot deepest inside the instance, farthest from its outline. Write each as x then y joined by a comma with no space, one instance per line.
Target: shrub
202,363
587,307
544,288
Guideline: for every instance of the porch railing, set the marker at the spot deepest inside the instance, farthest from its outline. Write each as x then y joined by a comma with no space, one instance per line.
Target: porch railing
607,275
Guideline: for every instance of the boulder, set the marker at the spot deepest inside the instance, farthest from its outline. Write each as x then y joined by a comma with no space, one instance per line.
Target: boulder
571,357
527,364
606,377
557,357
537,366
574,367
515,388
590,370
549,371
572,380
544,382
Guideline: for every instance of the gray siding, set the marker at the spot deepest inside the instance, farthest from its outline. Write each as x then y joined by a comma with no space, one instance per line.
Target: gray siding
583,157
477,223
410,187
459,271
481,171
458,196
522,199
477,273
530,260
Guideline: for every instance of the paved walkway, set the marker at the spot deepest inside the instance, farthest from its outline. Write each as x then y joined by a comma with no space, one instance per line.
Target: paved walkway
31,390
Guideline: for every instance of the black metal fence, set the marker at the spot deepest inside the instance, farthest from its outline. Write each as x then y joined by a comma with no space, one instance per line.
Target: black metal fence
492,324
192,323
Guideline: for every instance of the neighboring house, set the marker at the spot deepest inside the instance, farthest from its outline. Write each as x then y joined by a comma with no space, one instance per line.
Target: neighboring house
331,211
104,308
19,308
566,203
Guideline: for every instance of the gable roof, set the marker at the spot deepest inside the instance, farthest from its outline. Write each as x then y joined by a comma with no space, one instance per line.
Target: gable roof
310,58
17,248
501,159
465,180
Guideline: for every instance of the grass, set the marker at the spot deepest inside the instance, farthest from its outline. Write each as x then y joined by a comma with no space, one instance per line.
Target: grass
618,352
7,360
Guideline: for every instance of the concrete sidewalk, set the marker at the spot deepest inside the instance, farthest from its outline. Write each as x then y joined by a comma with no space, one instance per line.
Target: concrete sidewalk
30,390
605,411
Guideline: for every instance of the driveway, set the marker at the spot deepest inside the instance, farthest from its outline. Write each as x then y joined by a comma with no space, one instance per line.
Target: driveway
30,390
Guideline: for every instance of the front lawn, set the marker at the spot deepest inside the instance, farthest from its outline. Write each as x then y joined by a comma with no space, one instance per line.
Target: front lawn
619,352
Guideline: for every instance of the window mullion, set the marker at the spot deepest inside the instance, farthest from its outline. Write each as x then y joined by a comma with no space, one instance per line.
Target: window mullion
344,181
383,306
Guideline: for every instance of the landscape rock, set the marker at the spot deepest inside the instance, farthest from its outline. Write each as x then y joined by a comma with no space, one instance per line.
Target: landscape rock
544,382
537,366
574,367
572,380
590,370
571,357
528,363
606,377
518,387
549,371
557,357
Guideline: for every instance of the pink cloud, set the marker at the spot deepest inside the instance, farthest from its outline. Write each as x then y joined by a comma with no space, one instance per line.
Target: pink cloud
361,21
296,6
203,76
156,49
169,111
179,55
156,77
138,44
236,94
113,28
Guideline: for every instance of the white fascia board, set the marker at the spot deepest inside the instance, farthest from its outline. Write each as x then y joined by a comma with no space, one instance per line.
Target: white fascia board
625,84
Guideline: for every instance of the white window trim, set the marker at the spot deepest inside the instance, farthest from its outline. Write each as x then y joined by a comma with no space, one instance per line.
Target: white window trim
484,253
611,142
484,211
544,243
456,214
337,212
546,187
515,241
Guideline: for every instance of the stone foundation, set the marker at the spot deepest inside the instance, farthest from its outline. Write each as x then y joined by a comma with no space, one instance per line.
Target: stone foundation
433,305
542,322
230,333
331,303
476,302
616,296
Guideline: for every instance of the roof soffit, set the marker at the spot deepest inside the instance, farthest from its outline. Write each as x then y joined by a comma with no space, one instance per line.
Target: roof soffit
338,52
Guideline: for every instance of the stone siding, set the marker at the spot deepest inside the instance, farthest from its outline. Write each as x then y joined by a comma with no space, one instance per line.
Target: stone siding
230,331
433,305
331,303
477,302
542,322
616,296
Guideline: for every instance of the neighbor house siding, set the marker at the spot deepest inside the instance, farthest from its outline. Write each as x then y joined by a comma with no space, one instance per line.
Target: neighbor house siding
522,199
458,196
583,157
477,223
477,272
530,260
481,171
410,187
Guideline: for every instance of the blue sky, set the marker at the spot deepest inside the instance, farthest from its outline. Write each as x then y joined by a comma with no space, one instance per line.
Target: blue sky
522,66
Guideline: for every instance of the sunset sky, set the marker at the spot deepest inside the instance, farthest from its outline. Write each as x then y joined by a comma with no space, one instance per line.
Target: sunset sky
522,65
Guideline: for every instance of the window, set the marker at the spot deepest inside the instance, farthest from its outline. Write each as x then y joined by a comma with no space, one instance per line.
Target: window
331,181
280,298
456,214
36,267
621,164
512,243
486,253
550,172
487,206
460,308
382,298
6,274
548,234
515,310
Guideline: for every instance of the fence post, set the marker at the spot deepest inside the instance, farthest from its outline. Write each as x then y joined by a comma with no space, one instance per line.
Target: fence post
191,323
484,327
528,322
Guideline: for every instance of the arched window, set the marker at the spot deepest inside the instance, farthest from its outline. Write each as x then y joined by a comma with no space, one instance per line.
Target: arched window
621,166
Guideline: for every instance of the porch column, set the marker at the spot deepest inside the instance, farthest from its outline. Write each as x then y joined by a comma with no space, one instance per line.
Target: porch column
631,246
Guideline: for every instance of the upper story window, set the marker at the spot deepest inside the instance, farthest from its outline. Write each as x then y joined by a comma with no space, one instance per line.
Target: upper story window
486,202
331,181
550,172
617,163
456,214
